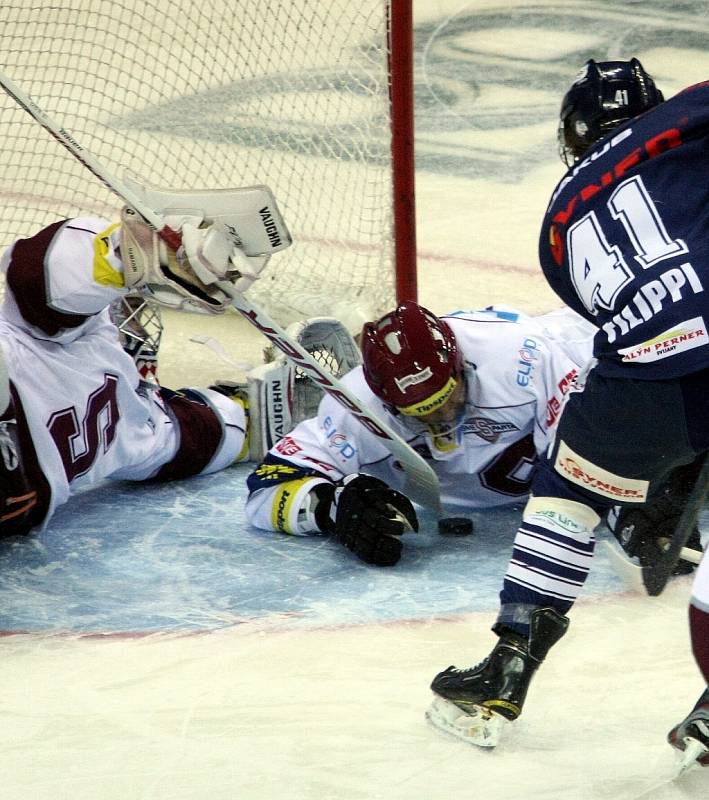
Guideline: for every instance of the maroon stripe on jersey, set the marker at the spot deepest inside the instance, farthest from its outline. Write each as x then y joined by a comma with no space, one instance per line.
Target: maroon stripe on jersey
200,436
699,628
25,276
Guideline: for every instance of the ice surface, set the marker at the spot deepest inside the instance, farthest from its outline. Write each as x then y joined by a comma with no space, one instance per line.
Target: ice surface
130,559
156,647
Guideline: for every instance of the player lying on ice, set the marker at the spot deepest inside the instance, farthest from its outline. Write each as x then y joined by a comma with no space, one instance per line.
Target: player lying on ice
625,243
73,407
477,392
493,382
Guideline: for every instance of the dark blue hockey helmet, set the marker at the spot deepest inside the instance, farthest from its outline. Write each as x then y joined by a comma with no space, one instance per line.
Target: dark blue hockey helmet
604,95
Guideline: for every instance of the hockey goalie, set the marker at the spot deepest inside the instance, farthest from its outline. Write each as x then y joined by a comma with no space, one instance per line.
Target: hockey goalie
79,401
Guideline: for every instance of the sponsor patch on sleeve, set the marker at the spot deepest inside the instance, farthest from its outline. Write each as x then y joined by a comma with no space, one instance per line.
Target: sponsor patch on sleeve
288,446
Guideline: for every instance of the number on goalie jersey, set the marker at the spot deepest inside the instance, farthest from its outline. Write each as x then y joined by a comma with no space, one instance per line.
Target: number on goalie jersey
514,374
73,410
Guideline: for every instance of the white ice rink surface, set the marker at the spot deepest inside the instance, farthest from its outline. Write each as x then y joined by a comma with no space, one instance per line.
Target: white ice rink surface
249,712
156,648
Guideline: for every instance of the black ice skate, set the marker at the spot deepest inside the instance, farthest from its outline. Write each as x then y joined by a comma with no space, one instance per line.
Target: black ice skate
691,736
475,704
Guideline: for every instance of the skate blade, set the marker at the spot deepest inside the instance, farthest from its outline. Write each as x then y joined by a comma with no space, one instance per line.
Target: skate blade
693,751
482,728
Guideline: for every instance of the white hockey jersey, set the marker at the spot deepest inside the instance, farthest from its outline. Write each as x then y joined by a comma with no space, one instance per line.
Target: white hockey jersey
518,370
78,391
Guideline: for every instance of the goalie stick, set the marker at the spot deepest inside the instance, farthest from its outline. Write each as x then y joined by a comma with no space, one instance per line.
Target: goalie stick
422,484
655,576
94,166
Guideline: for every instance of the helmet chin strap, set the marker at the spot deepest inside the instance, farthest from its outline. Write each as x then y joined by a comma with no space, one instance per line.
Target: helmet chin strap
448,431
444,436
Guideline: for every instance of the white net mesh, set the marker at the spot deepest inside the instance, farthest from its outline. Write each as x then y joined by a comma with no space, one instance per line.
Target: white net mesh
219,93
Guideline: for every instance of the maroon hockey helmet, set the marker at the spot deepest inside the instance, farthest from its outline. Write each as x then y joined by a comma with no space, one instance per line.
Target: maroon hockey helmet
411,359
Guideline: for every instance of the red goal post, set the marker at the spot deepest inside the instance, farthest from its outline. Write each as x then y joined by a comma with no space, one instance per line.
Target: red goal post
312,98
401,67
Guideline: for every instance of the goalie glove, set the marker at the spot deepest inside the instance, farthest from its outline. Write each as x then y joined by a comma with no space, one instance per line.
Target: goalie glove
186,278
328,341
366,516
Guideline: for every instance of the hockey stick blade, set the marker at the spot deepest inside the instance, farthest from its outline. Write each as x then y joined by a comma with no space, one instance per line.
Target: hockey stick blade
422,484
631,573
655,576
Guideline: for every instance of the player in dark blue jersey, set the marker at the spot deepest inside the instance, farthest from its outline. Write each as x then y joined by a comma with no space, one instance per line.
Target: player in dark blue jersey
624,240
625,243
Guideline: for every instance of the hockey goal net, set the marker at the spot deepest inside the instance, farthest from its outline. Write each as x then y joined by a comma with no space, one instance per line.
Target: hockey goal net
294,94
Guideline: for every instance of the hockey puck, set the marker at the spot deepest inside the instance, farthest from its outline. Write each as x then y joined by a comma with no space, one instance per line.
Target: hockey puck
455,526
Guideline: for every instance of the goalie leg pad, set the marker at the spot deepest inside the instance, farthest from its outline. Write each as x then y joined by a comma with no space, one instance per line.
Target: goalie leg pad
270,389
279,397
328,341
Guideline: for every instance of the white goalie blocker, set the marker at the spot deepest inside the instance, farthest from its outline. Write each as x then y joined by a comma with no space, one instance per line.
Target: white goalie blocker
238,228
281,395
249,213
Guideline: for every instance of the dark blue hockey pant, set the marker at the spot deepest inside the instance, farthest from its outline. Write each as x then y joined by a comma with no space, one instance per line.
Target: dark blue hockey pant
616,443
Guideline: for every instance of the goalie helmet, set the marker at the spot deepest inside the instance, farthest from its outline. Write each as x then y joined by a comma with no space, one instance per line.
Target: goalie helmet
411,359
604,95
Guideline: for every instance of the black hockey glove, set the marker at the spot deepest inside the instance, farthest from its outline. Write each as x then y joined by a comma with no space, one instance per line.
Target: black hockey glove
364,515
643,531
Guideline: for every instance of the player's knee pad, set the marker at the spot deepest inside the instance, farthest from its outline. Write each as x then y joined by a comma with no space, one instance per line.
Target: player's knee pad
602,486
233,420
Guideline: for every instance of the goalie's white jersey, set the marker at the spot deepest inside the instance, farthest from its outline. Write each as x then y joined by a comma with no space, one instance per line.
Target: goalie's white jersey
82,412
518,371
